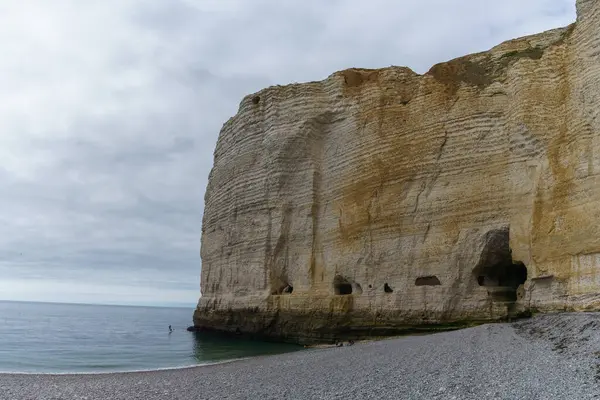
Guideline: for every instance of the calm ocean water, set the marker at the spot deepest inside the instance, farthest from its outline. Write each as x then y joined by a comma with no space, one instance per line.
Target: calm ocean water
43,337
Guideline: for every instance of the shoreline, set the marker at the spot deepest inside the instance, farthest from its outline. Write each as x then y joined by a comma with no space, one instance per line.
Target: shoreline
318,346
135,371
548,356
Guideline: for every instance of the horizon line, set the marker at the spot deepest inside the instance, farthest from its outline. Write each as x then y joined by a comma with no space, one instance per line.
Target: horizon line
179,305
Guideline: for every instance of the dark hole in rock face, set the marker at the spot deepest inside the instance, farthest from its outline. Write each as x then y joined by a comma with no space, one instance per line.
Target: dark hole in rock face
496,269
370,286
427,281
288,289
387,288
343,288
256,99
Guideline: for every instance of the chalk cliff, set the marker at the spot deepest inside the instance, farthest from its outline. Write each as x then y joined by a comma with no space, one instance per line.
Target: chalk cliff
378,200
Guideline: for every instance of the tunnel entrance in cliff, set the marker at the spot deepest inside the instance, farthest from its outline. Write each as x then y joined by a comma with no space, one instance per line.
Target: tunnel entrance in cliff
342,286
496,269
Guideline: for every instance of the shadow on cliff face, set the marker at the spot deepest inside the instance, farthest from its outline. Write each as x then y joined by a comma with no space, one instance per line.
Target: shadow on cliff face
496,269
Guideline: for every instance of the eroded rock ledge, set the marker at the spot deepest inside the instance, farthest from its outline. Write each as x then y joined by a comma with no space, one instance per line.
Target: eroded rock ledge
382,200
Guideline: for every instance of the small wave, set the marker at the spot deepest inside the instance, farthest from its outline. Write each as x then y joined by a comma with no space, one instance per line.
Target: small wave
208,364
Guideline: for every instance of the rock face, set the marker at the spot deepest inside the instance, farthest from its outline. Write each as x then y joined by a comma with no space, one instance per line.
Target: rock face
378,200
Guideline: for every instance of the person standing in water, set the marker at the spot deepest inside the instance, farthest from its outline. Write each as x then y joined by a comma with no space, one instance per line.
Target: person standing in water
170,329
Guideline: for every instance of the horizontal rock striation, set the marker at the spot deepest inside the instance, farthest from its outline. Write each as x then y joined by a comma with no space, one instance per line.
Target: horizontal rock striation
377,201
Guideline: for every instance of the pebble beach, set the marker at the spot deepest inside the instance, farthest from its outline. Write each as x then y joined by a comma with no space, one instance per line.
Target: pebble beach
555,356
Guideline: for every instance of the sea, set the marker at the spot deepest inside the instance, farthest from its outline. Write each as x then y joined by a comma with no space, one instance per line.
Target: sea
77,338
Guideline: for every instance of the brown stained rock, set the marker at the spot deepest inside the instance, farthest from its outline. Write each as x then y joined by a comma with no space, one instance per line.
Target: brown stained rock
482,173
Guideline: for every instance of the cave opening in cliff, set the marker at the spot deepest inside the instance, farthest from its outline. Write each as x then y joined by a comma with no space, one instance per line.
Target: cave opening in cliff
387,288
496,269
427,281
342,286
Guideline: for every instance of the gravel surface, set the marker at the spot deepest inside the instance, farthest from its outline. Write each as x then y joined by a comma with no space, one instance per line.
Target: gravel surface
547,357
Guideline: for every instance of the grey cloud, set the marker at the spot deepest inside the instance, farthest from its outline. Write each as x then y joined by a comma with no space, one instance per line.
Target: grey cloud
112,110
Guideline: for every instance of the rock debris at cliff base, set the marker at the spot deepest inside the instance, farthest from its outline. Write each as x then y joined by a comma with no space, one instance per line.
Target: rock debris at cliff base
546,357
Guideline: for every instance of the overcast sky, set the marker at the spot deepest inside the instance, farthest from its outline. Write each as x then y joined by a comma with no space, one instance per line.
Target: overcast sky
110,110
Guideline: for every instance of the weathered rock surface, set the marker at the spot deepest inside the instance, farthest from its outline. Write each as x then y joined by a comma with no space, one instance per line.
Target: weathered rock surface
377,200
